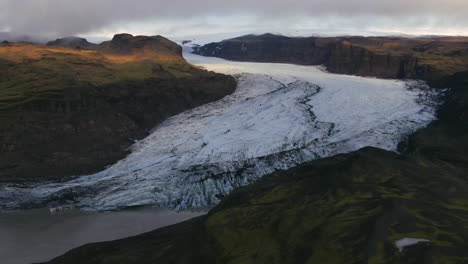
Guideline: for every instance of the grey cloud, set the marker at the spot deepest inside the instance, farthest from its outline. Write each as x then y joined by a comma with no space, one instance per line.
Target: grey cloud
50,18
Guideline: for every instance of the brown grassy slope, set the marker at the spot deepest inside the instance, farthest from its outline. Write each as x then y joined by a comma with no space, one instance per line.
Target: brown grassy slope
31,72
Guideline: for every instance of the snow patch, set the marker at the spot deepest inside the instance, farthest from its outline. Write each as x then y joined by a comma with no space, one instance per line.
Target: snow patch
406,242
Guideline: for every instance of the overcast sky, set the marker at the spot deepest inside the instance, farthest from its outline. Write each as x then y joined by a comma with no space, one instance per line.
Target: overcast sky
176,18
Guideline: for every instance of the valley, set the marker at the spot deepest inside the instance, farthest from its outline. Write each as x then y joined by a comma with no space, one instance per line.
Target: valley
349,208
233,132
279,117
302,165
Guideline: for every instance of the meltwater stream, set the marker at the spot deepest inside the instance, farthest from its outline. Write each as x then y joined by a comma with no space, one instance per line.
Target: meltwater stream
280,115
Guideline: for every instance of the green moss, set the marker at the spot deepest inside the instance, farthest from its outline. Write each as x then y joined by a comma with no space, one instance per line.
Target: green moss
457,203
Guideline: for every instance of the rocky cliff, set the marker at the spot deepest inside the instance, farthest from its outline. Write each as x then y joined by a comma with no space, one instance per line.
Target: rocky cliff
271,48
430,59
66,112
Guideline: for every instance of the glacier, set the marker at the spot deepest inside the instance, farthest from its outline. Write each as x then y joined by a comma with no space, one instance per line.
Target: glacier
280,115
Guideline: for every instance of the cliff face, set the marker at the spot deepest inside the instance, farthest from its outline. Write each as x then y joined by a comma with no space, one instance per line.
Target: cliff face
271,48
384,57
66,112
400,63
350,59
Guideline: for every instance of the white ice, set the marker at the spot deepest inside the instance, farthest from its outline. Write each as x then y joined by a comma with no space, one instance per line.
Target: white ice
406,242
280,115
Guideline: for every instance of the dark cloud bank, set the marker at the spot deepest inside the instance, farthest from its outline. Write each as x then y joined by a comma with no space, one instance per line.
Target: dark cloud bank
53,18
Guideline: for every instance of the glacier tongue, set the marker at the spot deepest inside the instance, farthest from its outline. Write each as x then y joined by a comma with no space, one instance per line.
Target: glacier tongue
279,116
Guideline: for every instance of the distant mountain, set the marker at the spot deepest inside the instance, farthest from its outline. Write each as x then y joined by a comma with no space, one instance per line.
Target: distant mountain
125,44
12,37
73,42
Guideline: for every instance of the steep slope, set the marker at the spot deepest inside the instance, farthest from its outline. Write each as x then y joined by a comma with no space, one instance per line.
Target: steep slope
67,112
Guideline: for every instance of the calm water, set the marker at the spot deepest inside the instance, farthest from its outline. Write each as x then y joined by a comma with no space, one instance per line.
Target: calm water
37,235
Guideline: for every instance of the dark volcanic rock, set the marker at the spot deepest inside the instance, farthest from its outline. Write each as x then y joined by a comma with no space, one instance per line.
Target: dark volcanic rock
73,43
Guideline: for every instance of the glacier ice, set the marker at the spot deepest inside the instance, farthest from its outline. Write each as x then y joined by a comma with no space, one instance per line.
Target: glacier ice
280,115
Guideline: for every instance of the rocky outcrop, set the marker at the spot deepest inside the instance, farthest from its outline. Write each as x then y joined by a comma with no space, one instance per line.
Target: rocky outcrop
67,113
125,44
73,43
